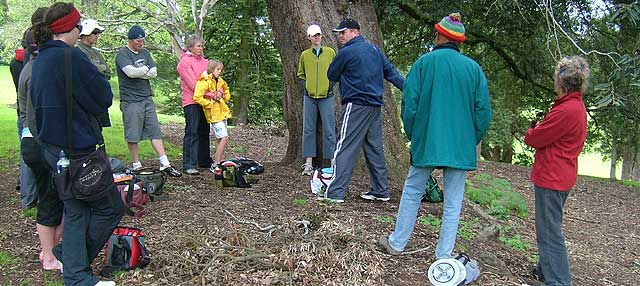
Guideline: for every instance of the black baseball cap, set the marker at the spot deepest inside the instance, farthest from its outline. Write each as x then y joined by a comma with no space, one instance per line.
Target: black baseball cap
347,24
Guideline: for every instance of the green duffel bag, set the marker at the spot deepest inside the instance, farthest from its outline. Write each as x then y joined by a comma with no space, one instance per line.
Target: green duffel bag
153,180
433,193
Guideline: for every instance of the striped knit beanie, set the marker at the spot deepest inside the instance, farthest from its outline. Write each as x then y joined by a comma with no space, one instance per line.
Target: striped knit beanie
451,27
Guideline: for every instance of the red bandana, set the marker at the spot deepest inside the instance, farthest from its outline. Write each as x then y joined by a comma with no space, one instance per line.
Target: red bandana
20,55
66,23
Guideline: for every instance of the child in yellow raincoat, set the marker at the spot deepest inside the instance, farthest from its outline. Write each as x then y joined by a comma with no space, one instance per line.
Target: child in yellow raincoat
212,93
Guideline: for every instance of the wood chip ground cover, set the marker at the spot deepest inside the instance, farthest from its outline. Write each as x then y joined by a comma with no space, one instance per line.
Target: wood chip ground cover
276,233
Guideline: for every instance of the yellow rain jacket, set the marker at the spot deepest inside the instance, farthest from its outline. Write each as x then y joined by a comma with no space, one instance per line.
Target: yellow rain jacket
214,110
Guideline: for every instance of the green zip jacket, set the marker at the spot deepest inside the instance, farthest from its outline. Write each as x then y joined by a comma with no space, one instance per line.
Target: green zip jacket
96,59
445,109
313,70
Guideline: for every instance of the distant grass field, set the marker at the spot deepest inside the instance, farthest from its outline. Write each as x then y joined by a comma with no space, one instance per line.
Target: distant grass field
114,136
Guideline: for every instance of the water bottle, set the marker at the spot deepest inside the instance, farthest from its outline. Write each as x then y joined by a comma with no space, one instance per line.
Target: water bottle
63,162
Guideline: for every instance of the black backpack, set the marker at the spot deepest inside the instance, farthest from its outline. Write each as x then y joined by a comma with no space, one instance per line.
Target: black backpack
125,250
239,172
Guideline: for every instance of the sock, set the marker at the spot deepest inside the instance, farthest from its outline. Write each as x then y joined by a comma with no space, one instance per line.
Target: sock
136,165
309,162
164,161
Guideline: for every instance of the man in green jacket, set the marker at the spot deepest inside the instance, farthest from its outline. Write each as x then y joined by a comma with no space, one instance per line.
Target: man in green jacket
446,112
317,98
89,35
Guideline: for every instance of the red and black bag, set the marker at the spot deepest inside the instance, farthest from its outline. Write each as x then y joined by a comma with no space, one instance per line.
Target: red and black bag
125,250
134,195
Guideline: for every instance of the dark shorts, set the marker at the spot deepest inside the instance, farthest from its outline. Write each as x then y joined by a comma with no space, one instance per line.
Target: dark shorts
140,120
49,204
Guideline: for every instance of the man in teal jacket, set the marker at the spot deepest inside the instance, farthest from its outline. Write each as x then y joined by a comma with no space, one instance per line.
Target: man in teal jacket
446,112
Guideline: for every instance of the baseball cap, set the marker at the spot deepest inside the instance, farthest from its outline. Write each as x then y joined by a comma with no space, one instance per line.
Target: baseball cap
89,25
135,33
313,30
347,24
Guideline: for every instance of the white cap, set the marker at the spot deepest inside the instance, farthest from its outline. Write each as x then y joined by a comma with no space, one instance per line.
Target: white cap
88,25
313,30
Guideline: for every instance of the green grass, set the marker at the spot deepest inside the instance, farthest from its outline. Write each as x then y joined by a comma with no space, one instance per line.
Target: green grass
114,136
509,237
300,202
515,242
6,258
30,212
430,221
592,164
496,194
383,219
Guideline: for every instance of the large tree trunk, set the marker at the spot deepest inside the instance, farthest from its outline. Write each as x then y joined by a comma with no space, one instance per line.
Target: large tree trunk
289,19
241,98
631,165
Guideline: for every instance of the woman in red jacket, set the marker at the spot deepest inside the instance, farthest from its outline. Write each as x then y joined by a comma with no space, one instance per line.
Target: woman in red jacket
558,141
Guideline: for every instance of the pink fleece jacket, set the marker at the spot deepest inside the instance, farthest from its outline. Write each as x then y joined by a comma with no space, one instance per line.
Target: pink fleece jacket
189,69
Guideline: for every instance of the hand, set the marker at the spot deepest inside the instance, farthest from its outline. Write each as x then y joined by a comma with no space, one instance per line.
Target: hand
534,122
218,95
209,94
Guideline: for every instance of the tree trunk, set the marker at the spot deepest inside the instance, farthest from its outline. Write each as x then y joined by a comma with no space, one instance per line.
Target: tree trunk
241,98
289,19
630,165
614,162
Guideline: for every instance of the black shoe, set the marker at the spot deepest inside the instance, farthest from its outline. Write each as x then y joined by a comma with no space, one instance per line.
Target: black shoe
530,282
374,197
171,171
537,274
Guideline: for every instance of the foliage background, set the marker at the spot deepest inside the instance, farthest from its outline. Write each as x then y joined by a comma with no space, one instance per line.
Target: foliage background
516,42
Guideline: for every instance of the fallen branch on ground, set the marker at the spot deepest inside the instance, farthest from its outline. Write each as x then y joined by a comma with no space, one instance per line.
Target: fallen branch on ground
304,223
270,228
415,251
582,219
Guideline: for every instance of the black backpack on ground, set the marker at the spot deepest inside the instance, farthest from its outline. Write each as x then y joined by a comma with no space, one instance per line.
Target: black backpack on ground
239,172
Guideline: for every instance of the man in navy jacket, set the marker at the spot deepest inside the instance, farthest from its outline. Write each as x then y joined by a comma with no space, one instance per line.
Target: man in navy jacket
361,69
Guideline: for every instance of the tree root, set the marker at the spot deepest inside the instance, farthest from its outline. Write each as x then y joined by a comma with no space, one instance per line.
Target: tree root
269,228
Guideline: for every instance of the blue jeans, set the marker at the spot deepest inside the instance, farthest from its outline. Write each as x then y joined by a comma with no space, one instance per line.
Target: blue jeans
195,144
87,226
311,109
414,188
554,261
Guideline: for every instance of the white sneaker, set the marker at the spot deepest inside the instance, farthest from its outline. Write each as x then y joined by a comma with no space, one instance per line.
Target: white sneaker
307,169
105,283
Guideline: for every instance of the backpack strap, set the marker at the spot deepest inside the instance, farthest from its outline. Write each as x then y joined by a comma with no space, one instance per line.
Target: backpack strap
117,255
145,259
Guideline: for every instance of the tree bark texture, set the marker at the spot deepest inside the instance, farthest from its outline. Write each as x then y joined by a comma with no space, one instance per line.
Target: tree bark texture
289,20
241,98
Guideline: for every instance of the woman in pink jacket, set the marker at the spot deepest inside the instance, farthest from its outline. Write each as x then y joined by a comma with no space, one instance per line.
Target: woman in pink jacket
558,141
195,144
